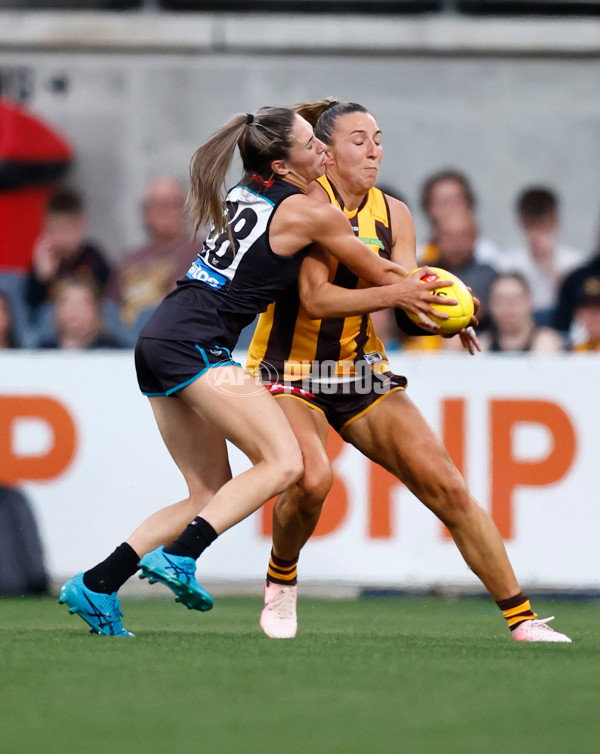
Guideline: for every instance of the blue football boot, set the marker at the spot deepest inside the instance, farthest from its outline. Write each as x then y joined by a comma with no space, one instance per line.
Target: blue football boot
101,611
178,572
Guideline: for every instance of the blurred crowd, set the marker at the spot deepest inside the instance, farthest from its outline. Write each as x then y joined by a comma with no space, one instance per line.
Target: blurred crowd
73,295
543,296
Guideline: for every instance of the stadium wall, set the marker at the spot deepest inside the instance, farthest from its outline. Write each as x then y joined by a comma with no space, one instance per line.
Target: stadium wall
80,439
508,101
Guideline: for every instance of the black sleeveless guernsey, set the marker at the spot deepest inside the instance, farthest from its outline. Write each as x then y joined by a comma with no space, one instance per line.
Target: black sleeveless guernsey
236,275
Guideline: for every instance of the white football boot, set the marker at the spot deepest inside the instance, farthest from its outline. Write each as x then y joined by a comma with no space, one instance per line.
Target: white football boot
278,619
538,630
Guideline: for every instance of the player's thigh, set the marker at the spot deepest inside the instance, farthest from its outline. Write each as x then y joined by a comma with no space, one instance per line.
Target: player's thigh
396,435
311,429
245,412
197,447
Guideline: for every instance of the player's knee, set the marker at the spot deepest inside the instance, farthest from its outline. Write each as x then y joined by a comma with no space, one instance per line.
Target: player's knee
315,485
455,501
290,468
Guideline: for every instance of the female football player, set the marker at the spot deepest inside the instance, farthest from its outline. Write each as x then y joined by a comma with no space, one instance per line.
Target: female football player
363,401
199,395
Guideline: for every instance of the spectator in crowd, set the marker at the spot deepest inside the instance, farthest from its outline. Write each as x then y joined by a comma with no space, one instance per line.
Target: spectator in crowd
544,260
457,243
587,314
512,326
63,251
145,275
443,196
78,318
570,291
8,336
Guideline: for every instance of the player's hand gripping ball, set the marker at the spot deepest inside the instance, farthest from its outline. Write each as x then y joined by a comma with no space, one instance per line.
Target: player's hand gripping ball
460,313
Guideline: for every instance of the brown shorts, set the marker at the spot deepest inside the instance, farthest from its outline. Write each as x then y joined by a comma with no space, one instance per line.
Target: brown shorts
342,403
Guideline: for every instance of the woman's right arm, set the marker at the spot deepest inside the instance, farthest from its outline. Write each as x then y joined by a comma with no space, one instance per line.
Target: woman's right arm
331,229
322,299
300,221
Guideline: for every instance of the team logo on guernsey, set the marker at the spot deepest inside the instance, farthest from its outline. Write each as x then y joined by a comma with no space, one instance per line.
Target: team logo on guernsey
200,271
373,358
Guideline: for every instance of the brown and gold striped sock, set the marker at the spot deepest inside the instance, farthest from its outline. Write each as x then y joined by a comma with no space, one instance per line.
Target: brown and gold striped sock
282,571
516,610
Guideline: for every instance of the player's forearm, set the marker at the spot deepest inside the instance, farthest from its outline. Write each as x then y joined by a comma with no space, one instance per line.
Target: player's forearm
360,260
377,271
331,301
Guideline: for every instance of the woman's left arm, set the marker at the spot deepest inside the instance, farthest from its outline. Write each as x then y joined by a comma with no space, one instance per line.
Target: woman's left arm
404,244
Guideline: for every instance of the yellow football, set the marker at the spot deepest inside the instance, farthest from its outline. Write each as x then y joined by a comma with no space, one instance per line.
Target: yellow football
460,313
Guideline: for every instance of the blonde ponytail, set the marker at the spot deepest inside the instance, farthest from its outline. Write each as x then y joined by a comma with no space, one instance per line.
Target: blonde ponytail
208,172
261,137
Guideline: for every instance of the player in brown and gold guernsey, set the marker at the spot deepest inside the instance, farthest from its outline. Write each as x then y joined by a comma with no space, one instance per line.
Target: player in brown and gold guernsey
286,337
254,251
317,351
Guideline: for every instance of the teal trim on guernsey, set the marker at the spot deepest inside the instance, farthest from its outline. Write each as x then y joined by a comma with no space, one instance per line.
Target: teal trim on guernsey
260,196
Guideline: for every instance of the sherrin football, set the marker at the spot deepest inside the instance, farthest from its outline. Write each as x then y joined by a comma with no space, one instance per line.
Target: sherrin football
460,313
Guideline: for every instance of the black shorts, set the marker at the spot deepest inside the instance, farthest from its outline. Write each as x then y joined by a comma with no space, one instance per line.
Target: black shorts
165,366
344,402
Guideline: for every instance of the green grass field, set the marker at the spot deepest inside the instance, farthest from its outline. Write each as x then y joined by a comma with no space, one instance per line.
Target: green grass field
415,675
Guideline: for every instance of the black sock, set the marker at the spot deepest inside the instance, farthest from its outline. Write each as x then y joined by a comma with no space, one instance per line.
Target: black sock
194,539
110,575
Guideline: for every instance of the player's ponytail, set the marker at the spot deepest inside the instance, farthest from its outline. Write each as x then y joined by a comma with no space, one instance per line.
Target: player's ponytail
312,111
323,114
261,137
208,172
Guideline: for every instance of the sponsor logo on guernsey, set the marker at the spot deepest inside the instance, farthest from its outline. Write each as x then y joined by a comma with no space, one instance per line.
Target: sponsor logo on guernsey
205,274
371,241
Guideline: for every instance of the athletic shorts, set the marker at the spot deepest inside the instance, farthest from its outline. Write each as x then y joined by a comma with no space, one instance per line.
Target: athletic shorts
344,402
165,366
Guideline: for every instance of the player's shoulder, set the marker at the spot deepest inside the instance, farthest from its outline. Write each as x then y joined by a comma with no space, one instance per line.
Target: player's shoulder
303,208
398,209
401,220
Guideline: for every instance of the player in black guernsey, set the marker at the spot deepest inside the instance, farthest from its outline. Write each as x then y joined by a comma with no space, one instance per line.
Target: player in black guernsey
199,395
384,425
231,280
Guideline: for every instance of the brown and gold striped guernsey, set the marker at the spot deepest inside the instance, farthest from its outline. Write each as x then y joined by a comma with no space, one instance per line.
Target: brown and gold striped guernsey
286,341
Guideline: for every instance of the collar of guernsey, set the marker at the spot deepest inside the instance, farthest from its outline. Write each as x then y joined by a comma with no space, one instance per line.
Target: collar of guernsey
287,342
376,210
